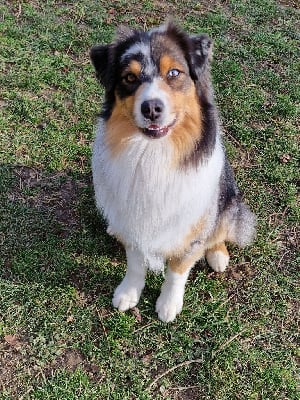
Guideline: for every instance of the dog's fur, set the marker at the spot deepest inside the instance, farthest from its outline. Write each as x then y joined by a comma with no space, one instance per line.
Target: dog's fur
161,176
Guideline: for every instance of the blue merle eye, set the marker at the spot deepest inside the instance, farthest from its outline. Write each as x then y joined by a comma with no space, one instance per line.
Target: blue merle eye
173,73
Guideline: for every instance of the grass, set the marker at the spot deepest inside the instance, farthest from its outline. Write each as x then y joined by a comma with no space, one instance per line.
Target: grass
59,336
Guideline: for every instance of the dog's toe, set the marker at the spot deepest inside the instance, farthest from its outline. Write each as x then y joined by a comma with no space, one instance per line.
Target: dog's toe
124,303
125,298
167,309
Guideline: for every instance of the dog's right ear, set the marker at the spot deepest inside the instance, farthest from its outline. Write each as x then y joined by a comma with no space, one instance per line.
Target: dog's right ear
101,57
200,54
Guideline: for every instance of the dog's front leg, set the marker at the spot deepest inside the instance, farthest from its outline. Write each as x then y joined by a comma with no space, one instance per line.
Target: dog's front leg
127,294
170,301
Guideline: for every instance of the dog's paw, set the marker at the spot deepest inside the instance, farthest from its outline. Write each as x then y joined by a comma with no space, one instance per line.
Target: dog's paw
125,297
217,260
168,306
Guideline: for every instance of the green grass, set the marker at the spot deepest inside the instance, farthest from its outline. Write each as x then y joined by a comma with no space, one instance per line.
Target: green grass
59,336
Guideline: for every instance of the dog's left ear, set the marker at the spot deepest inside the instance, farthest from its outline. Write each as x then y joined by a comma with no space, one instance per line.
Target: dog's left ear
200,54
102,59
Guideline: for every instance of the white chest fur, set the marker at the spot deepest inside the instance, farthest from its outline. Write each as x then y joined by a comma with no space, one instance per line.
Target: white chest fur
147,202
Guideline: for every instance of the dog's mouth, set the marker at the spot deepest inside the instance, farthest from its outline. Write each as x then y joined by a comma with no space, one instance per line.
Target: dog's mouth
156,132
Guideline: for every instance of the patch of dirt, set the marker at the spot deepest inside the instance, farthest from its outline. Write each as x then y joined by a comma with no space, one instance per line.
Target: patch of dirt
13,359
289,3
18,364
289,244
58,194
182,393
291,238
241,271
71,360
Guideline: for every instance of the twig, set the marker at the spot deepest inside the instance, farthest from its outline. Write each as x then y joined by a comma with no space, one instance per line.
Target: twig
234,139
144,327
183,364
282,257
103,327
224,302
181,388
227,343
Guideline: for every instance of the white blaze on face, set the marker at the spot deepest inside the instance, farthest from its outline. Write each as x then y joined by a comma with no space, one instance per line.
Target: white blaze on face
151,91
136,49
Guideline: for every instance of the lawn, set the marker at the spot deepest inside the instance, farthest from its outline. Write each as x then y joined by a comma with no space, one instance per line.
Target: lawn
60,338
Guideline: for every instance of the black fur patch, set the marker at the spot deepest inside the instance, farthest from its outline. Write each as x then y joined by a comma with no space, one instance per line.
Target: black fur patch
228,187
106,60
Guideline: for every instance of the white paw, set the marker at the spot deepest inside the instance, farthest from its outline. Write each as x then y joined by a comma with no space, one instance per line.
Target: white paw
217,260
168,306
126,297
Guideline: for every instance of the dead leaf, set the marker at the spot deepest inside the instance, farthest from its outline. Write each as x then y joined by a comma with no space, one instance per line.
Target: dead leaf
70,318
13,341
236,275
114,262
136,313
285,158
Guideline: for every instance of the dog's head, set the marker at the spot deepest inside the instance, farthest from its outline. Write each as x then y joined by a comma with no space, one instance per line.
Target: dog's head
155,77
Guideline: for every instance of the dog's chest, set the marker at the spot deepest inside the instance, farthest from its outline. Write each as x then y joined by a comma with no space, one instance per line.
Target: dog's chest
146,200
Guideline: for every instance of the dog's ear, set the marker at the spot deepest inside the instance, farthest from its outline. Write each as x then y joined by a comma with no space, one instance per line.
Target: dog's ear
102,59
124,32
197,49
200,54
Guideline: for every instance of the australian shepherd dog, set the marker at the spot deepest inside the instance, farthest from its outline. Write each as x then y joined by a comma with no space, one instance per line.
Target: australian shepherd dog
160,172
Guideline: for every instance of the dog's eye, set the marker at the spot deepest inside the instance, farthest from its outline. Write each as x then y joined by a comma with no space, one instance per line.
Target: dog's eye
173,73
130,78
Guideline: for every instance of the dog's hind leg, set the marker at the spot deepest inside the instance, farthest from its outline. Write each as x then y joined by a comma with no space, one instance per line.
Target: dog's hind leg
217,257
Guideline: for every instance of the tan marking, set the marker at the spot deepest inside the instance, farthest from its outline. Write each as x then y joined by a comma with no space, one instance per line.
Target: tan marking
167,63
185,107
220,234
182,258
134,67
189,124
181,264
190,237
120,125
185,246
218,247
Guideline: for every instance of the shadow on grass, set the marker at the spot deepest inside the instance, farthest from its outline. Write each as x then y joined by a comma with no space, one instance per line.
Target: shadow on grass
52,234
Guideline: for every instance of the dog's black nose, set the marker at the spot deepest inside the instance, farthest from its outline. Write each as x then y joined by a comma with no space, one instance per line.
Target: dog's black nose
152,109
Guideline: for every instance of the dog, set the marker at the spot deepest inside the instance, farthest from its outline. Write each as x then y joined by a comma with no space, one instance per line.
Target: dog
160,173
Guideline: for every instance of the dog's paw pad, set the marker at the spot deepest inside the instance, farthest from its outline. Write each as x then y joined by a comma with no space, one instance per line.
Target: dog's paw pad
168,309
217,260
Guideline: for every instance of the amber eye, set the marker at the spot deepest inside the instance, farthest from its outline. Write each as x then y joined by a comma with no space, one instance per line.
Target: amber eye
173,73
130,78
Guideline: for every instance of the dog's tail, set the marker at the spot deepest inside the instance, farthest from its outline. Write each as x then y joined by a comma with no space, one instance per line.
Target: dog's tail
241,223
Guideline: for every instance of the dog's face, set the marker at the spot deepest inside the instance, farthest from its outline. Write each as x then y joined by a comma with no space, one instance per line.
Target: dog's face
152,79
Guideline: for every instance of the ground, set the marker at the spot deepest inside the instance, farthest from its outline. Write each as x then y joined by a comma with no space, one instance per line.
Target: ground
60,338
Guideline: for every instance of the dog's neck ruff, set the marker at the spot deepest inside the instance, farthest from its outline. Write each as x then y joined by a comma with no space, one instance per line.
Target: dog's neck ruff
147,202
